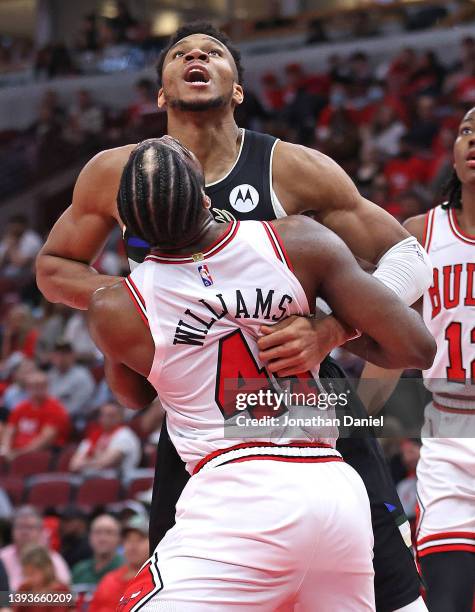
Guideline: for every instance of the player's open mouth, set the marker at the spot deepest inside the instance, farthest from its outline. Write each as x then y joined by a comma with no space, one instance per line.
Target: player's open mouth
471,158
197,76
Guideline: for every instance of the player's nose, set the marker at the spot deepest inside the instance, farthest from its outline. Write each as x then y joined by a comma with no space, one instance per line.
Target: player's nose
196,54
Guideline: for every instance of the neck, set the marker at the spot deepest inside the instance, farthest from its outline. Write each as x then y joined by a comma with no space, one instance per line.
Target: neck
213,136
466,216
103,559
209,233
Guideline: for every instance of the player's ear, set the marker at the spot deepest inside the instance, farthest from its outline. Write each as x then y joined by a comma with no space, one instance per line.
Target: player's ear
206,202
161,98
238,93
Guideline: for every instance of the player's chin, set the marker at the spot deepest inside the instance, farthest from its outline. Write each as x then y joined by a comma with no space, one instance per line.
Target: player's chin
198,102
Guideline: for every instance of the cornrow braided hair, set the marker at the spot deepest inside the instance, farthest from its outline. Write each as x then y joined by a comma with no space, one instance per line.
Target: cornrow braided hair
161,192
453,192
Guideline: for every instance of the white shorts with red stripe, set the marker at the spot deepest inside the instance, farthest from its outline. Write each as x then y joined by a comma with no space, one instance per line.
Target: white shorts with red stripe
446,484
263,528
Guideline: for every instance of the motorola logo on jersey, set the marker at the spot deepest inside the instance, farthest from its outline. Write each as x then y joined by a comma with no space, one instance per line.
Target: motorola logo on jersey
244,198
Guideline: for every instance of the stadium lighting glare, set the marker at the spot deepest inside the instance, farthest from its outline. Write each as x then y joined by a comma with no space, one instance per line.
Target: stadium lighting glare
165,22
109,9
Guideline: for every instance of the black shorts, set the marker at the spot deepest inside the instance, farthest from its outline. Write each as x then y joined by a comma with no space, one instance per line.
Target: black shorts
397,582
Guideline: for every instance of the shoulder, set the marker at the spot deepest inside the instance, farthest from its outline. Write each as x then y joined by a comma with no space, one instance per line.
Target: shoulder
110,160
98,181
307,180
416,226
55,407
303,229
108,306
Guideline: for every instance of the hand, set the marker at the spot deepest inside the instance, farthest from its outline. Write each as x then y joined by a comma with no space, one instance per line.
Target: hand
299,344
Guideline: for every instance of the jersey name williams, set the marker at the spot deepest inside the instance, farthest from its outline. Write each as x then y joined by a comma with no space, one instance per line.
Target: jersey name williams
192,329
448,291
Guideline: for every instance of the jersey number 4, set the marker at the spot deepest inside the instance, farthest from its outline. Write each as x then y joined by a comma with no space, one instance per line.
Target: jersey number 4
239,374
455,371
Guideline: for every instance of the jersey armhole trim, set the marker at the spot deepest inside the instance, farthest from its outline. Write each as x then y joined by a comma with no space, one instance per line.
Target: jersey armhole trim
457,230
277,244
136,298
428,228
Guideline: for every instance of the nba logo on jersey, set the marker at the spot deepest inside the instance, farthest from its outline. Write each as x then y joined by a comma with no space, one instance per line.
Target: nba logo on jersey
205,275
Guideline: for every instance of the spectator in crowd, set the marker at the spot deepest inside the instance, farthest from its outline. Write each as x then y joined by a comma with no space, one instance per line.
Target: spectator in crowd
4,590
51,329
38,423
111,587
6,508
18,248
17,391
145,102
425,125
77,334
123,21
69,382
384,132
406,170
111,445
19,333
104,538
428,75
40,578
28,531
75,545
411,203
86,122
87,36
272,93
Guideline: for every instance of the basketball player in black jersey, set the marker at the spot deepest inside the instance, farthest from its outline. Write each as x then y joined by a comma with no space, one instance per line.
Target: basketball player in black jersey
250,176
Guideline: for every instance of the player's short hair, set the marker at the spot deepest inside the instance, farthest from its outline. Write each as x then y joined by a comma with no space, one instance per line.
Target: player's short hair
161,193
200,27
453,192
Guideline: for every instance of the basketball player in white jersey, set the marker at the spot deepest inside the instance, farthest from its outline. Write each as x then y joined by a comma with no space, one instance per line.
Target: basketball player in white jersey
446,470
250,532
200,81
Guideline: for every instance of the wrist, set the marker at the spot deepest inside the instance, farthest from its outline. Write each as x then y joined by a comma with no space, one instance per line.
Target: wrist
337,333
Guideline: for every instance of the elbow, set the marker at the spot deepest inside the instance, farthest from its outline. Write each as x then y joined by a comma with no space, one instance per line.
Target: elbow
424,352
45,271
418,353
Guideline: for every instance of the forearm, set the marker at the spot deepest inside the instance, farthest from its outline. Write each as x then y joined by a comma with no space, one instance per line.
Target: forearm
69,282
108,460
39,443
7,440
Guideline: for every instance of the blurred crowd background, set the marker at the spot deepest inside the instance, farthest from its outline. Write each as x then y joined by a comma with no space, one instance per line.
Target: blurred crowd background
76,468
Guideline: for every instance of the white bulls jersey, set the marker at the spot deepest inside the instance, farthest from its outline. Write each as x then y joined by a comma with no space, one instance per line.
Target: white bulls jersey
449,305
204,312
446,468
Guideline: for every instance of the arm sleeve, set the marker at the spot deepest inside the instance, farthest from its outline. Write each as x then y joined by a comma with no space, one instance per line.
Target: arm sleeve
406,269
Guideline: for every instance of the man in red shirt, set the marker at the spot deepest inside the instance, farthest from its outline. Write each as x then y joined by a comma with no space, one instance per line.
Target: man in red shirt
38,423
111,587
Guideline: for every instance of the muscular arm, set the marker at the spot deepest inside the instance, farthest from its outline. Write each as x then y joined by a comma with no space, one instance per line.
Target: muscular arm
129,354
63,266
326,193
325,267
378,384
324,190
